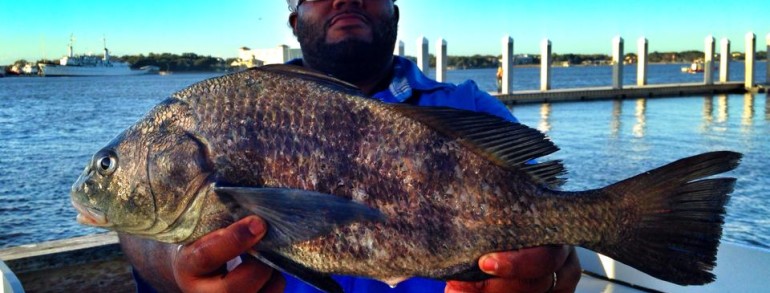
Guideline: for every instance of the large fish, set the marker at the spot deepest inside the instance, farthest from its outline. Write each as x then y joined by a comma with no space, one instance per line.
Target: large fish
349,185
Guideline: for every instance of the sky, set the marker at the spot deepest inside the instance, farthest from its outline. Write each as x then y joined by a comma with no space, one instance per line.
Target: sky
41,29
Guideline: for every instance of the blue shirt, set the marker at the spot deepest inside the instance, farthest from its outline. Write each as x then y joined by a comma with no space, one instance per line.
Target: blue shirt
409,85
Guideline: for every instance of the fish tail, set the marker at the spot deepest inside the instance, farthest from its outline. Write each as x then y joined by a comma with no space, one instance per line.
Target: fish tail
672,218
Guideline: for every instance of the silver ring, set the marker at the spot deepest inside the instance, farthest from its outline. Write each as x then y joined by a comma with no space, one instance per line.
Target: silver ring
553,285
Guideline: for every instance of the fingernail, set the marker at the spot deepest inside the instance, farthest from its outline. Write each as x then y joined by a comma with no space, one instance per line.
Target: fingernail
256,227
489,265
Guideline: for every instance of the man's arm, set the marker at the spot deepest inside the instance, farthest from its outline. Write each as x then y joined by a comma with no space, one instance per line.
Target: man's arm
200,266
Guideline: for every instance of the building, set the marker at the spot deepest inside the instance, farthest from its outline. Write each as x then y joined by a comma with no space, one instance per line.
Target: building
257,57
521,59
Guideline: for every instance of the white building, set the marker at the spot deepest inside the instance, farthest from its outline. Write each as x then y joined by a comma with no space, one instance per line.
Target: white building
258,57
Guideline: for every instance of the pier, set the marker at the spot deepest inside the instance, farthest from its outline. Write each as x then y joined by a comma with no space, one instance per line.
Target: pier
615,88
598,93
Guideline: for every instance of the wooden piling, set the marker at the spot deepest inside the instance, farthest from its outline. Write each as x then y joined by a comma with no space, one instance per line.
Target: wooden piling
507,64
545,65
423,59
767,59
441,60
617,63
708,61
751,48
724,61
641,64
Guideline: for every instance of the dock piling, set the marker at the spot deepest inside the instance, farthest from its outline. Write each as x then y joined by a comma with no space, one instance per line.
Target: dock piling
724,61
617,63
400,49
423,59
507,81
545,65
767,59
641,65
751,48
441,60
708,61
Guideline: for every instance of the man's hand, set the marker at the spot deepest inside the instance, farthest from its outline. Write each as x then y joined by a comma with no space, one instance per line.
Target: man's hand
526,270
201,266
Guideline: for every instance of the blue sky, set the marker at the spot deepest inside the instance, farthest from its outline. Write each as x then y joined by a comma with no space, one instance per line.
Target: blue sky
35,29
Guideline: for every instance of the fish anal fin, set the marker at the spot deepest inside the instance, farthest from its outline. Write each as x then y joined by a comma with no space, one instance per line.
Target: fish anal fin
394,281
320,281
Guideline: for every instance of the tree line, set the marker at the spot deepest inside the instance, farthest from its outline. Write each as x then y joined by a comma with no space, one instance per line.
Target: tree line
191,62
178,63
491,61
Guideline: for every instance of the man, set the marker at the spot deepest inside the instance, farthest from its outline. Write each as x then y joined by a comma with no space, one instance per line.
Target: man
352,40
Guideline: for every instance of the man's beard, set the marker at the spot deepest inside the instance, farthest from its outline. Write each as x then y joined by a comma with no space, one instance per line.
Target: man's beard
351,60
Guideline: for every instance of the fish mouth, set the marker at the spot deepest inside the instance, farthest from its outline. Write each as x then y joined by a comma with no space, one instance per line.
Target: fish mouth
90,216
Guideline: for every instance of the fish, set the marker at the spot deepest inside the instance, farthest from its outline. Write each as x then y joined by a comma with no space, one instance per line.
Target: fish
349,185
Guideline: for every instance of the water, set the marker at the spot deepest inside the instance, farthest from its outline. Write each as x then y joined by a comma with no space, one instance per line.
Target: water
49,128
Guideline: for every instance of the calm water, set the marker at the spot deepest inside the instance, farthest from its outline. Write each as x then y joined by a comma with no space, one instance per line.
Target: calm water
49,128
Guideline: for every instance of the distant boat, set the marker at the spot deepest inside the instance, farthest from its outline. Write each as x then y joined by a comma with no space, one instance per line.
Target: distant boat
88,65
696,67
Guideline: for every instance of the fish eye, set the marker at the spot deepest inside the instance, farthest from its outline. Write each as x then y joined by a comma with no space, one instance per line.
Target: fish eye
106,163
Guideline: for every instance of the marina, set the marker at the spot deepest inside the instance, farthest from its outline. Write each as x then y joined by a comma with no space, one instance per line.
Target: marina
619,136
621,123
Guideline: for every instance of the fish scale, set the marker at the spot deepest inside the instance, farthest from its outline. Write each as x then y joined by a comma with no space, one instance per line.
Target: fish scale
349,185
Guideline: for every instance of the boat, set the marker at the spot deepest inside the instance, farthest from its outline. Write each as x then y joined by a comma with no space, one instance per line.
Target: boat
95,263
696,67
89,65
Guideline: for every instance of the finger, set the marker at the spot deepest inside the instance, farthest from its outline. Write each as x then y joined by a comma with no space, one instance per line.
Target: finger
250,275
210,252
501,285
462,287
276,284
568,276
518,264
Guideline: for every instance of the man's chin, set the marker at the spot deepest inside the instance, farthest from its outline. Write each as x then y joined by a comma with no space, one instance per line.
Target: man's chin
339,36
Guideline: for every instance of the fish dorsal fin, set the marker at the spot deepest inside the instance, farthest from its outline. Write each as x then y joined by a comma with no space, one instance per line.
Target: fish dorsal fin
309,74
507,144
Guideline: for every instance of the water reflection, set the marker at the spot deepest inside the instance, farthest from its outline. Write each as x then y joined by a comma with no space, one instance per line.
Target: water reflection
767,107
641,119
708,112
545,115
722,108
748,112
615,123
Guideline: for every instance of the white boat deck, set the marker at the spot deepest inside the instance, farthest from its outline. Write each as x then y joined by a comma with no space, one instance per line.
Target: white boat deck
739,269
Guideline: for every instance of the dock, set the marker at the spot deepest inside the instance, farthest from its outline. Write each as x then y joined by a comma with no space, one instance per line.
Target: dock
711,85
604,93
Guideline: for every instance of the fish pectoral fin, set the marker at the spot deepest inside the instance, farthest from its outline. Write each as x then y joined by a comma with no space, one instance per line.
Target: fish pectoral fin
295,215
322,282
